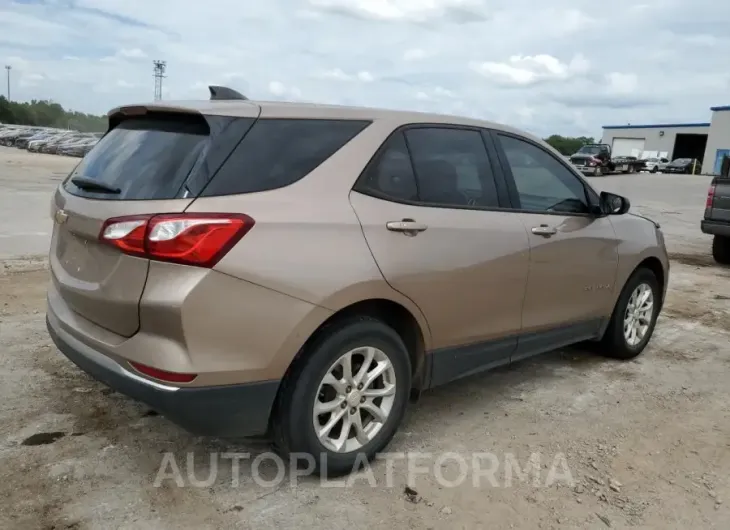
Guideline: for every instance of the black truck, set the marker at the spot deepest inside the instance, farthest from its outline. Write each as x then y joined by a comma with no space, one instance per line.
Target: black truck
717,218
595,160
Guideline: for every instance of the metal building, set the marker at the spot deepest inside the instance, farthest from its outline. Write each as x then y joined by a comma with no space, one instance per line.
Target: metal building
708,142
718,141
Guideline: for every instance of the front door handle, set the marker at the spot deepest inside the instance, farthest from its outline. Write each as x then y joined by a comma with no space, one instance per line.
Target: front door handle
544,230
408,226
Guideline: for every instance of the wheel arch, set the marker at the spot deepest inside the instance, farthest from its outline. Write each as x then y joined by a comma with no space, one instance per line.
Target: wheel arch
409,324
655,266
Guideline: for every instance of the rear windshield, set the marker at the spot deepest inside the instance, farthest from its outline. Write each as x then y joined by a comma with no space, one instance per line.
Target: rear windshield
144,158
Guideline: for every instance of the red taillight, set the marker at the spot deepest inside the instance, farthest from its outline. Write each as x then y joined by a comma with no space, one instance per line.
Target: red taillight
710,196
162,375
199,239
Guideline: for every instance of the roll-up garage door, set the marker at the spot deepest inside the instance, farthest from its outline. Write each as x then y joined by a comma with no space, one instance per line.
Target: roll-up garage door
627,147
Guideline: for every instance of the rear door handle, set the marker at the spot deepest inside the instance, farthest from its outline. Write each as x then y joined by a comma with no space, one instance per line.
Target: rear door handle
544,230
406,225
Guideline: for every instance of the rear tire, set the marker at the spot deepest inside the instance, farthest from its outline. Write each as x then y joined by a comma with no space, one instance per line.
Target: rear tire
630,313
654,169
321,379
721,249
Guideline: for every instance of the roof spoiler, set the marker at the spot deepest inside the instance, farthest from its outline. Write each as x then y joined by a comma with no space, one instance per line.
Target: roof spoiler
224,93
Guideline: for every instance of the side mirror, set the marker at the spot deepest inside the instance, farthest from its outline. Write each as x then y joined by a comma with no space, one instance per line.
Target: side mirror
612,204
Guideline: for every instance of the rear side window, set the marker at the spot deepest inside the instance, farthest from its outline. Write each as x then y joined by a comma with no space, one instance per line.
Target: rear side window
143,158
278,152
391,175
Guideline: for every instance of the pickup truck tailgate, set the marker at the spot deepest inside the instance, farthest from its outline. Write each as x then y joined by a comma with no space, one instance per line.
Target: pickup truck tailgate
718,204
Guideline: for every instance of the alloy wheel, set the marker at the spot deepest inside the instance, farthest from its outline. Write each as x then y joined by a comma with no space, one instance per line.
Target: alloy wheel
354,399
638,315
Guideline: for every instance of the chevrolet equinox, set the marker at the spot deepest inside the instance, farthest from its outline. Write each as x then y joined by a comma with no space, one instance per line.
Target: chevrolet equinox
299,271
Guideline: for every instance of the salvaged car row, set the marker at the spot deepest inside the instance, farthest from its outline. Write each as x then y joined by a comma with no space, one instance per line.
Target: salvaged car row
48,140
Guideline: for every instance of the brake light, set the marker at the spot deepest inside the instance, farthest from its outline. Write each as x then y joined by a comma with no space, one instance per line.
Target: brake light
710,196
163,375
198,239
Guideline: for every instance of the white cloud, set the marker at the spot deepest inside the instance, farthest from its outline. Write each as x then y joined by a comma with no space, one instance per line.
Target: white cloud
282,91
620,83
528,70
414,54
131,53
336,74
277,88
31,80
574,68
396,10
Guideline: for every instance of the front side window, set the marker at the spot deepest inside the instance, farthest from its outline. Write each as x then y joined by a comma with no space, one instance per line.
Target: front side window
543,183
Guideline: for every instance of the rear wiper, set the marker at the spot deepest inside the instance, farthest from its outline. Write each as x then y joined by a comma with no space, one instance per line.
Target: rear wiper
93,185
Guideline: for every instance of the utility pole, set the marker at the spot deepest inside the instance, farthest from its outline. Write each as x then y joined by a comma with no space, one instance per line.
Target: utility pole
8,68
159,70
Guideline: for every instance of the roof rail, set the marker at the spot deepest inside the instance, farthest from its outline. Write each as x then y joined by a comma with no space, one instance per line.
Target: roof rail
224,93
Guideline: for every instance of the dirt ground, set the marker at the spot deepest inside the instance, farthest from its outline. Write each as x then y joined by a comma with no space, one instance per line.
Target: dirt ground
646,443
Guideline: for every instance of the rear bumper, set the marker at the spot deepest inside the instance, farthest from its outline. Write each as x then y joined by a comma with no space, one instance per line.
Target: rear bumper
715,228
227,411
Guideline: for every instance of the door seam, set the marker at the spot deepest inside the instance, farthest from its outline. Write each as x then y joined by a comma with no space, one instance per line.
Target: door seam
382,275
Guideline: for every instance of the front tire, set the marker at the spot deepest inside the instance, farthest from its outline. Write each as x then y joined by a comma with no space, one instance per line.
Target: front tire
346,400
721,249
634,317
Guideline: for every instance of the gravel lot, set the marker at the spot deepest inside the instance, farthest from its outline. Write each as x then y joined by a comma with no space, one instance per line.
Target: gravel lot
646,443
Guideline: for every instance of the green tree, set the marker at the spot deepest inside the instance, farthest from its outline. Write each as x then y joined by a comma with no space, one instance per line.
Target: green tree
46,113
567,145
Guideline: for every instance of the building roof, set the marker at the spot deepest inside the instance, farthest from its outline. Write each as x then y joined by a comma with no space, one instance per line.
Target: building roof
657,125
720,109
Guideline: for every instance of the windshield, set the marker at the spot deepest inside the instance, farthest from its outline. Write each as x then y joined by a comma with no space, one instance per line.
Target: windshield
682,161
589,150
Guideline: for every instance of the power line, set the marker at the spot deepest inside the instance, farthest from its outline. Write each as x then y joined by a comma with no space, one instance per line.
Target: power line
159,70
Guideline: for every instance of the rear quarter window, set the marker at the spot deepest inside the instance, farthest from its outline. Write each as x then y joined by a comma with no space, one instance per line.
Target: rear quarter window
278,152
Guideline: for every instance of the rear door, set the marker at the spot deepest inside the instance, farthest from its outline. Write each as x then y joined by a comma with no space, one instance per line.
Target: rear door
573,253
437,233
149,162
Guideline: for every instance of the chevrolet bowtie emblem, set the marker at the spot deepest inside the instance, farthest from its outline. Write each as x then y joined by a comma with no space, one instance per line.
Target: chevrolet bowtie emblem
61,216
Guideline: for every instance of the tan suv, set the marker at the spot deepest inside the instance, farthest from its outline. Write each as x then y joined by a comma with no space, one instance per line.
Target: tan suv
300,271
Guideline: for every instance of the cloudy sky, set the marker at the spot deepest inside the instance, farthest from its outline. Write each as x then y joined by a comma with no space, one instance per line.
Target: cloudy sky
561,66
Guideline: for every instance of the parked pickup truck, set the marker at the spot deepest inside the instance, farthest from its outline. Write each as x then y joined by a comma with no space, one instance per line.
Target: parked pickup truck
717,218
